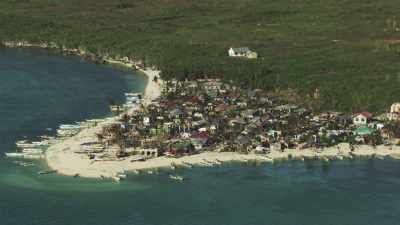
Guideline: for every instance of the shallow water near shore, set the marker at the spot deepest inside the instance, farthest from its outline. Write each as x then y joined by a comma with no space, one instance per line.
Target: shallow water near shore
40,90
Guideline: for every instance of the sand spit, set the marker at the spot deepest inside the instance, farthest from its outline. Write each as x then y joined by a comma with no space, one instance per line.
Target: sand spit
62,156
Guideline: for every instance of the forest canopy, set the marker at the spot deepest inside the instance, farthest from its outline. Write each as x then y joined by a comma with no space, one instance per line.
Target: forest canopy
347,51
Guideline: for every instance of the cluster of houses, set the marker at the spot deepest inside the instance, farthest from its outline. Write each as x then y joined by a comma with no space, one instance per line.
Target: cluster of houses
208,115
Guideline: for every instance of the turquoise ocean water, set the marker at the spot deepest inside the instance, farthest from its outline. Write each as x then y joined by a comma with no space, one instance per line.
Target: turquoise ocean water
39,90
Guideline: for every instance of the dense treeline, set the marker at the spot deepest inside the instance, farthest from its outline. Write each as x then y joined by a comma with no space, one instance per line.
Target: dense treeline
335,54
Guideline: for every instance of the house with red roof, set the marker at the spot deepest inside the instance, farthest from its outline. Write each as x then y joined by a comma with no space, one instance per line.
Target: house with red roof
362,118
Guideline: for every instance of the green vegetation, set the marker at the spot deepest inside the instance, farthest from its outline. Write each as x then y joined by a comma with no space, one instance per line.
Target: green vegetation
349,50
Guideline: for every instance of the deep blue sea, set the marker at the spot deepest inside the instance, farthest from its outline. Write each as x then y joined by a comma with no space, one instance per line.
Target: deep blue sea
40,89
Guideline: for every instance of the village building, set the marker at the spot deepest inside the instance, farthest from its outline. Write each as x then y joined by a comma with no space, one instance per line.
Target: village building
146,121
394,113
362,119
376,125
242,52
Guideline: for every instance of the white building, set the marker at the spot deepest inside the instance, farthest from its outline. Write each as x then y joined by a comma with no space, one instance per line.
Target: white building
394,111
362,119
242,52
146,121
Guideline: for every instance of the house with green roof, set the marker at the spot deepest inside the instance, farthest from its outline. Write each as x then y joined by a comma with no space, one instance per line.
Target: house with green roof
362,131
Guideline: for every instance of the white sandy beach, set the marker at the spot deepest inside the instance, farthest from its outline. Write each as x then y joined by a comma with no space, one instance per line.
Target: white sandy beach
152,89
62,156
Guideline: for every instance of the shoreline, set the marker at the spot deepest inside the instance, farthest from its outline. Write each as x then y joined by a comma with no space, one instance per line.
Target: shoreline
62,157
68,163
151,89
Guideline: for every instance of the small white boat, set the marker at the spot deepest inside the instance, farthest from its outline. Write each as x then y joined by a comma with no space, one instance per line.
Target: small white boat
65,133
96,147
176,177
25,164
217,162
40,143
22,163
116,179
128,105
115,108
32,151
47,172
22,142
26,145
69,127
122,175
132,98
95,120
131,103
36,156
15,154
23,155
138,95
46,137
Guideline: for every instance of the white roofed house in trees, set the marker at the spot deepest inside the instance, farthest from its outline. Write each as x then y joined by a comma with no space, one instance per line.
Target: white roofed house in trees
243,52
362,119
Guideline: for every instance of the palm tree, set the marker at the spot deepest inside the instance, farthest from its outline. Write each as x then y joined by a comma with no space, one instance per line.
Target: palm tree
155,79
125,118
